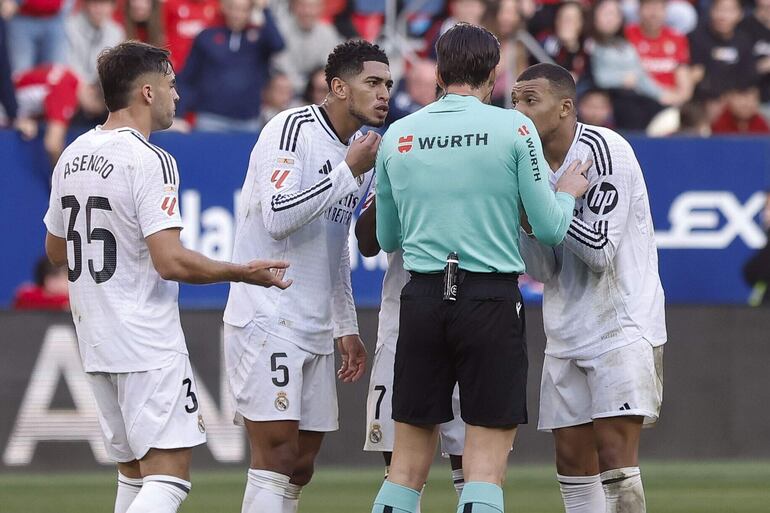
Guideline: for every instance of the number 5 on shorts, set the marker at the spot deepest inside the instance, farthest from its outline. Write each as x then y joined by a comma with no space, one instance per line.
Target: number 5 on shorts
283,380
190,409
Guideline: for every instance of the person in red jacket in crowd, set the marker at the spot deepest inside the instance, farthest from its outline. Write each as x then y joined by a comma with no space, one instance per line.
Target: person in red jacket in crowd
664,52
48,93
48,292
183,21
741,113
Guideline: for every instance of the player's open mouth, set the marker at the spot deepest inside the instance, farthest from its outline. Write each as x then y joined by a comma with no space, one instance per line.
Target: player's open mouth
382,108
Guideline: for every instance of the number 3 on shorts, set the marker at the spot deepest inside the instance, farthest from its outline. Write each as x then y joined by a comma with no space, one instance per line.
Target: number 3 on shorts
283,379
190,409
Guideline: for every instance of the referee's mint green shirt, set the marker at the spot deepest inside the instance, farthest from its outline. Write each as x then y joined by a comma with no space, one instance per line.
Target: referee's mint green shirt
452,177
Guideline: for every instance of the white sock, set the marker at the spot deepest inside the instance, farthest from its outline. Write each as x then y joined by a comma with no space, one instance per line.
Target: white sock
458,478
291,498
582,494
160,494
264,492
623,490
128,488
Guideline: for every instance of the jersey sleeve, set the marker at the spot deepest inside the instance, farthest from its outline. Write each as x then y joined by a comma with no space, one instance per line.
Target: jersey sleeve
596,232
388,224
539,258
156,193
278,163
54,219
343,306
549,214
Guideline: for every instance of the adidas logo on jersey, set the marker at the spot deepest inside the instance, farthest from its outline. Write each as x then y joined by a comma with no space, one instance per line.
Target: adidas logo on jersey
326,169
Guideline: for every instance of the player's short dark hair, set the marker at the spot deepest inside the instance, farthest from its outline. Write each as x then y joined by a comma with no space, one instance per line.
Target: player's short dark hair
121,65
348,59
558,78
466,54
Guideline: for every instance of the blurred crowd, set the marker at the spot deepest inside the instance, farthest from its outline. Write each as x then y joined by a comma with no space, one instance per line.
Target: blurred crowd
661,66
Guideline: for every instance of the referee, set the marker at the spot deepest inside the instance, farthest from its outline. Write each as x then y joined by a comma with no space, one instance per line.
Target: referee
453,178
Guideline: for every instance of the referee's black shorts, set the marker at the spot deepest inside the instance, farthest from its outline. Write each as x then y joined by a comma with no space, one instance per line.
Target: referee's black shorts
477,341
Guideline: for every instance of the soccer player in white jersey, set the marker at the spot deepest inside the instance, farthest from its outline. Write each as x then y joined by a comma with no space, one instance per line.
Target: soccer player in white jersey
603,306
380,428
113,218
308,172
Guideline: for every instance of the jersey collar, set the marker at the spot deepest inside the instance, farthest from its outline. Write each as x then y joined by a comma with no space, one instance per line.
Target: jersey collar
326,123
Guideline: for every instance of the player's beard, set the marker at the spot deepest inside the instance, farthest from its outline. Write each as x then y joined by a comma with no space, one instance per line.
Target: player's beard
362,117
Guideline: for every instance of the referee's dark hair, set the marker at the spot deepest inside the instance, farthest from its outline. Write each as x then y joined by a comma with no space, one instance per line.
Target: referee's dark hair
348,59
558,78
466,54
121,65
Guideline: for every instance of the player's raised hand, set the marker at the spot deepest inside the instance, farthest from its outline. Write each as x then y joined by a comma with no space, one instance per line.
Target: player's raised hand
574,181
362,152
353,355
266,273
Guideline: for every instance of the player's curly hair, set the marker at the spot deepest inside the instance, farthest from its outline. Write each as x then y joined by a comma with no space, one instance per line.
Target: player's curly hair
348,59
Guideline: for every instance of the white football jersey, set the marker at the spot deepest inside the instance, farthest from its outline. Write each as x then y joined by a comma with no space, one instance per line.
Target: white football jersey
296,204
602,289
392,283
110,190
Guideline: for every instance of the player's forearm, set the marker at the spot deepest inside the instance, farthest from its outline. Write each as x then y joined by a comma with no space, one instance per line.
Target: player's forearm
56,249
285,214
592,246
188,266
366,232
539,259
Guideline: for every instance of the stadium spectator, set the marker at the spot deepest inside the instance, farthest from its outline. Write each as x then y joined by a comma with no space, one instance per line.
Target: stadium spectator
277,97
566,44
316,88
308,40
505,22
142,20
595,108
757,26
8,105
49,290
48,93
694,120
720,51
741,113
227,69
90,31
417,90
665,53
37,31
456,11
183,20
756,271
681,15
615,66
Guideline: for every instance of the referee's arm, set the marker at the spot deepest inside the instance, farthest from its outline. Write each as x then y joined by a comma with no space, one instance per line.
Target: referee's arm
388,223
548,214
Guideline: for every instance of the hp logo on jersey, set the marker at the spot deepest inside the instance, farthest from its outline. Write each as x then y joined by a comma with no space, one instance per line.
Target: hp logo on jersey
602,198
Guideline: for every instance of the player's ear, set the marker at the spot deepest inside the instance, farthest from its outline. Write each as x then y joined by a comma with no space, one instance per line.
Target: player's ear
147,93
439,81
567,107
339,88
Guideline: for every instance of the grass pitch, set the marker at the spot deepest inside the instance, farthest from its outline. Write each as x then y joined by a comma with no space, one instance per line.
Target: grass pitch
702,487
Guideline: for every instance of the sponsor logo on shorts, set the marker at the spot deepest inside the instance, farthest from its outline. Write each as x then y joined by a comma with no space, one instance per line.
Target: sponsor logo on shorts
281,401
375,434
610,334
625,407
201,424
518,309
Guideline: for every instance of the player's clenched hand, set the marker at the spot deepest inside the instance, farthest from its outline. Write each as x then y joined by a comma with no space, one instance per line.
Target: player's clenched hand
266,273
574,180
353,355
362,152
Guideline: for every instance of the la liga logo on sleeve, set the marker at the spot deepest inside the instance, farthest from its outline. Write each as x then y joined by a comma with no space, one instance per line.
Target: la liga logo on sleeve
169,205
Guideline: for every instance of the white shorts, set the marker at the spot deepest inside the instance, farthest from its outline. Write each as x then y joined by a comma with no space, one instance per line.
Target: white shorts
380,428
272,379
622,382
156,409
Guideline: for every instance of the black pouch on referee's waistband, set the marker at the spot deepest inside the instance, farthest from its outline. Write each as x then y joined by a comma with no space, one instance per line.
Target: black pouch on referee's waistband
451,276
